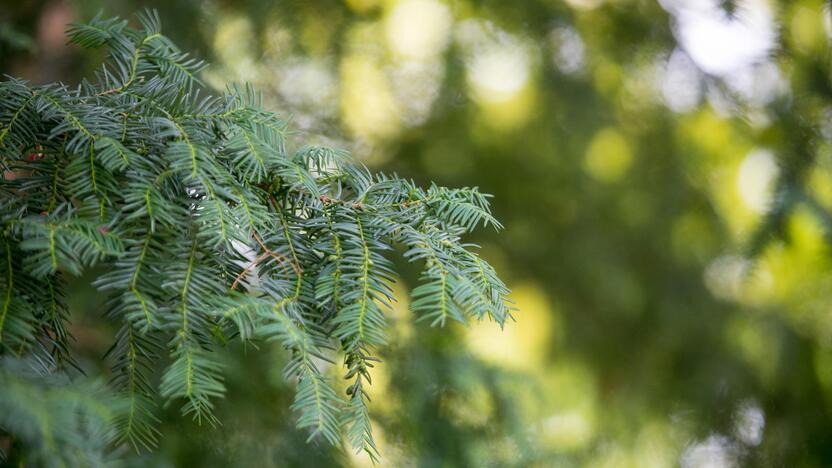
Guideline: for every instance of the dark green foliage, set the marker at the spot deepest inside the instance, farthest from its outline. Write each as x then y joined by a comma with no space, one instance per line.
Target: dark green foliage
58,424
207,229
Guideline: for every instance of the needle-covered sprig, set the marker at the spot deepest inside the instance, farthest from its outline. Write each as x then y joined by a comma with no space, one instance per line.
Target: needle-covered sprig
204,228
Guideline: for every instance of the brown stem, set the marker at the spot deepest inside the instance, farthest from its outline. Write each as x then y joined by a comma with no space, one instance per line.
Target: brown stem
248,269
276,255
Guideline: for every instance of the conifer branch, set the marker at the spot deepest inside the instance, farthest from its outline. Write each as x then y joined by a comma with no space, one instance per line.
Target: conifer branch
164,191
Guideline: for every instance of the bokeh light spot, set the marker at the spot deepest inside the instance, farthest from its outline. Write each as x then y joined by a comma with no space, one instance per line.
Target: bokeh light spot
755,178
608,157
418,29
520,344
368,107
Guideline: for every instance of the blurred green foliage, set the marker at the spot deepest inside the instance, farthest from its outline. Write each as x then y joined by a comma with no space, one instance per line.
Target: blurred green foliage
663,173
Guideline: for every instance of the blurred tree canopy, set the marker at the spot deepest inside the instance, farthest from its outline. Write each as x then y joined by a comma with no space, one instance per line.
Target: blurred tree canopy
663,173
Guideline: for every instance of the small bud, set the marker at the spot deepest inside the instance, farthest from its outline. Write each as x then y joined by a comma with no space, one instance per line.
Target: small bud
103,230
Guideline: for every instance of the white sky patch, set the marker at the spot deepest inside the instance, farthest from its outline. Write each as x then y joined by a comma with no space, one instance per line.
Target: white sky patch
719,43
749,423
758,84
755,179
681,83
826,124
309,83
714,452
569,54
416,86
